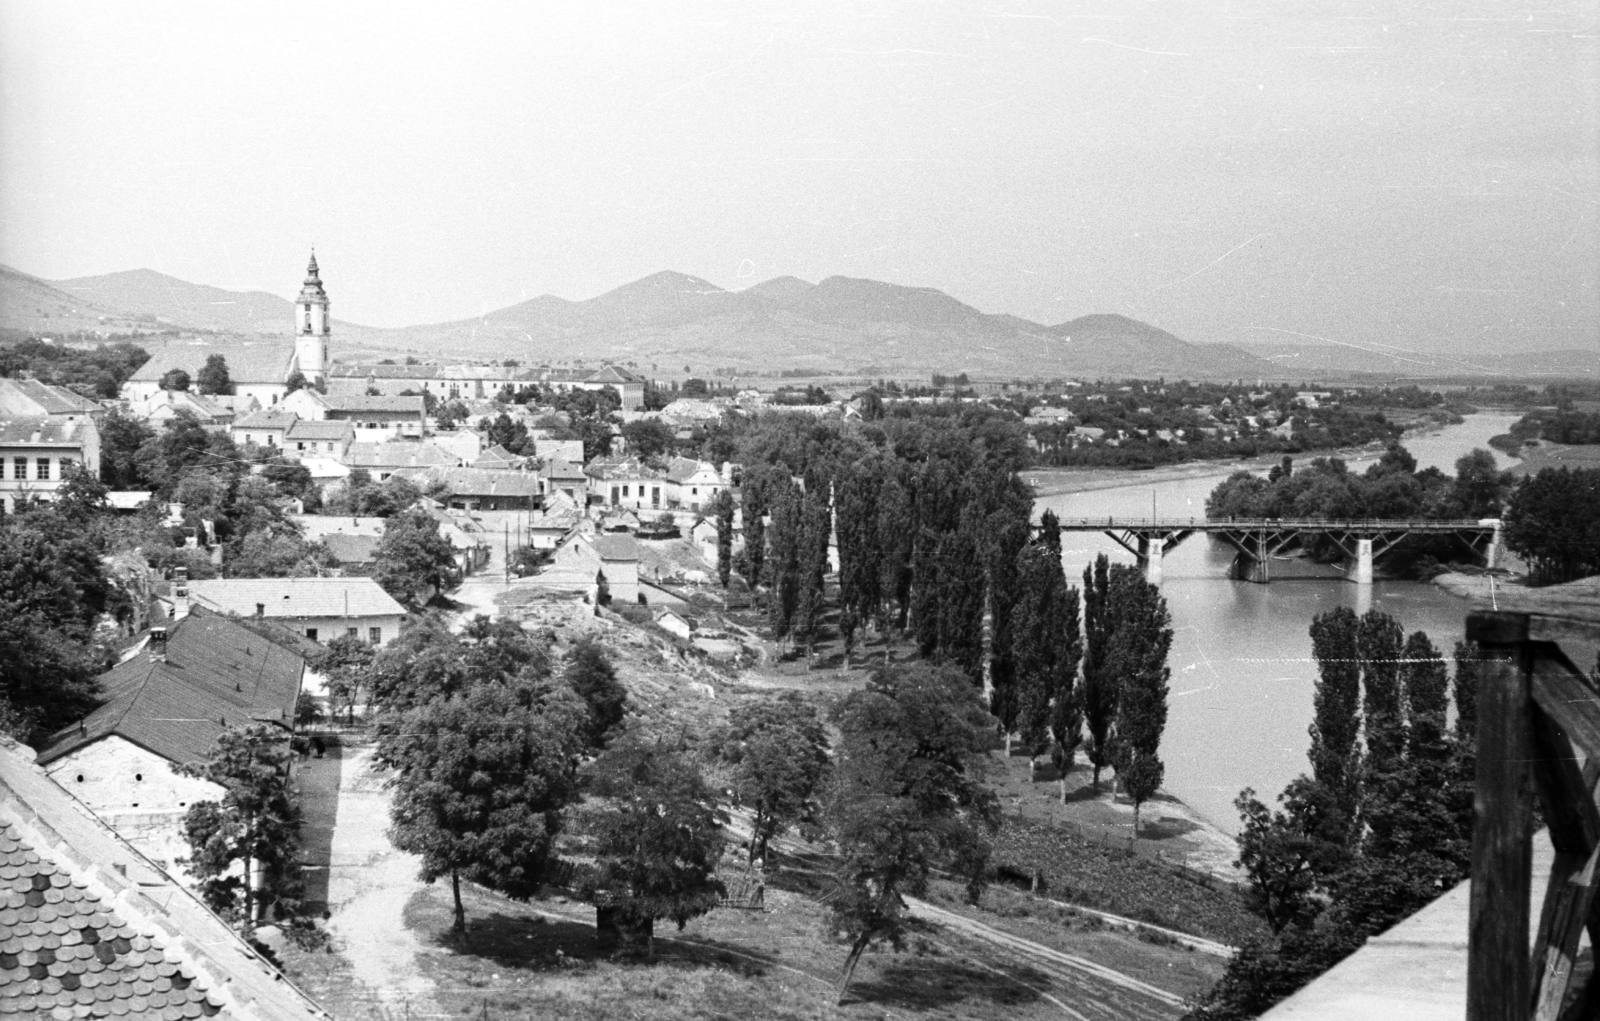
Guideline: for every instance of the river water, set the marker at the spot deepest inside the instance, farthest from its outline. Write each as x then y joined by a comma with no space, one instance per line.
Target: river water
1242,672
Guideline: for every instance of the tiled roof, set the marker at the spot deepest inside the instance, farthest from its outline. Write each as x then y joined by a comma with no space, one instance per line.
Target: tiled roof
351,549
560,468
398,454
354,404
89,928
215,671
296,597
614,374
267,418
615,547
247,363
31,397
419,372
484,481
310,429
43,430
620,467
497,455
682,468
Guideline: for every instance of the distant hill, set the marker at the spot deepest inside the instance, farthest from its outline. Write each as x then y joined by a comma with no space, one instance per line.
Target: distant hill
1308,359
670,320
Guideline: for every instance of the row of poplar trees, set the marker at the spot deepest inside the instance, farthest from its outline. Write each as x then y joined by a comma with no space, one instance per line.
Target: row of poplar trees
935,546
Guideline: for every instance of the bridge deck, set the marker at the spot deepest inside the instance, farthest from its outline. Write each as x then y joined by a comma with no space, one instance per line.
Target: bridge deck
1274,524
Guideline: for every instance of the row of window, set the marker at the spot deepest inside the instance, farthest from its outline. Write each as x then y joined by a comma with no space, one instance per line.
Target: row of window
374,634
18,470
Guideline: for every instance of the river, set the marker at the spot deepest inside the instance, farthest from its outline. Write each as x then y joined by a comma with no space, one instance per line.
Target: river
1242,672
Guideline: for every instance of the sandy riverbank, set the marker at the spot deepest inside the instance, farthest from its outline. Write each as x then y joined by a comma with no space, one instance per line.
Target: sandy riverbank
1479,588
1058,481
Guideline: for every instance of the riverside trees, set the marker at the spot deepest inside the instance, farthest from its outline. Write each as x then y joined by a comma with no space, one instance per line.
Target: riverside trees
1380,827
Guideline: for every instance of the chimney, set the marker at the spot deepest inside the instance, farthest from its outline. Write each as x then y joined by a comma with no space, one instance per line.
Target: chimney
261,609
158,645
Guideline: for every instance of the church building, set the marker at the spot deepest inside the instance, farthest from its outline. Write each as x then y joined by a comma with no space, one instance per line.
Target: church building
259,369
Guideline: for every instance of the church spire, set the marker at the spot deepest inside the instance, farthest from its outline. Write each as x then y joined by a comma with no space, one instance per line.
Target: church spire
311,269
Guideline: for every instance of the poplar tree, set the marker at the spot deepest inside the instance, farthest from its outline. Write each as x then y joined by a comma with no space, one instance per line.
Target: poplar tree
783,560
1047,647
860,548
722,507
1136,654
896,535
1099,684
811,565
1335,759
1379,642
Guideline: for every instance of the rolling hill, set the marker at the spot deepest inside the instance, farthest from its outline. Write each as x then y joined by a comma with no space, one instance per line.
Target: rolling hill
671,320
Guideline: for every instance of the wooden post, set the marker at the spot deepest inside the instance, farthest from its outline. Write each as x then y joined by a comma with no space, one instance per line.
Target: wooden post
1498,986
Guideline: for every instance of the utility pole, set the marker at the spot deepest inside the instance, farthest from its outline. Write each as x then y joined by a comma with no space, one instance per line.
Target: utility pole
507,526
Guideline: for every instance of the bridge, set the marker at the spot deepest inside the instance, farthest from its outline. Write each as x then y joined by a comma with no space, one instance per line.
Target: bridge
1258,540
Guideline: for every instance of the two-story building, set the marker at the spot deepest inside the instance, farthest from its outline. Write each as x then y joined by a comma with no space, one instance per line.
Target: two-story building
626,482
329,439
264,428
382,460
376,419
37,450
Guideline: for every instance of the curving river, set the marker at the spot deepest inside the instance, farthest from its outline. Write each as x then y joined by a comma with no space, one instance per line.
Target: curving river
1242,672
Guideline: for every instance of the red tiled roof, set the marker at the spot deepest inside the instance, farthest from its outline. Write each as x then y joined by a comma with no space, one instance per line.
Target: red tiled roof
89,928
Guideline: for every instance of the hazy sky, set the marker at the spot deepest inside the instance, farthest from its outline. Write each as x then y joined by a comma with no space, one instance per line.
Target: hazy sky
1420,174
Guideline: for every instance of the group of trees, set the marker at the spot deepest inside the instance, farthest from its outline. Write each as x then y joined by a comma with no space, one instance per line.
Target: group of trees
1381,825
98,372
1552,523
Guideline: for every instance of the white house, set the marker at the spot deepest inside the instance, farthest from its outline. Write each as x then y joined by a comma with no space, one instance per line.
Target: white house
583,557
693,484
321,609
264,428
307,438
37,450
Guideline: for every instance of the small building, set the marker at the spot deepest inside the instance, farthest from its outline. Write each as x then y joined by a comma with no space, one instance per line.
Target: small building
209,410
549,529
474,489
321,609
380,418
674,623
693,484
382,460
166,703
562,476
265,428
29,397
465,445
309,438
157,951
37,451
498,458
625,482
583,559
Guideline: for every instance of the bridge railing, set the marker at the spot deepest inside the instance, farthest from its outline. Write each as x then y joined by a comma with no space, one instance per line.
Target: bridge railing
1317,524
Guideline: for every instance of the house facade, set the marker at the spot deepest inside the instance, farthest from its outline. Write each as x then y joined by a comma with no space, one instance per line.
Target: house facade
626,482
36,452
379,419
693,485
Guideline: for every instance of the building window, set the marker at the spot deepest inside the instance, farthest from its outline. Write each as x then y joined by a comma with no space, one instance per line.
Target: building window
43,468
19,468
624,490
66,466
375,635
694,491
311,633
351,632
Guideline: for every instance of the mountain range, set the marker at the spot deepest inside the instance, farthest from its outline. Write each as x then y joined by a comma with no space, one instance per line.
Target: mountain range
670,320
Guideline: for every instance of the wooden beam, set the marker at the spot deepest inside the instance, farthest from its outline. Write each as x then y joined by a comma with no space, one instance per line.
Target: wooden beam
1568,697
1567,905
1566,788
1498,986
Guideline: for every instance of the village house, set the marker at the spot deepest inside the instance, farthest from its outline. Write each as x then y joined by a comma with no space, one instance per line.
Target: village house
378,419
465,445
213,411
28,398
382,460
264,428
498,458
158,951
37,451
584,558
475,489
625,482
558,475
165,704
329,439
693,484
321,609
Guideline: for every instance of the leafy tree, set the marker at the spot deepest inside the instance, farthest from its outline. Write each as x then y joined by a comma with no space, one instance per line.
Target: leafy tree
648,437
308,710
268,553
779,749
909,793
1137,655
1335,757
412,557
656,835
175,379
81,497
213,377
593,677
345,661
1551,523
296,381
1047,647
722,508
256,824
121,437
1479,485
482,777
1099,683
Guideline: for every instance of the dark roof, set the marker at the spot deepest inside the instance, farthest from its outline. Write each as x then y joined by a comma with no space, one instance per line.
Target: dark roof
267,418
560,468
309,429
247,363
352,549
44,431
355,404
91,928
615,547
681,468
216,674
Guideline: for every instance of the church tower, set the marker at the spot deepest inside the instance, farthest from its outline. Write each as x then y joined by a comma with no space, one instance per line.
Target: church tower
312,327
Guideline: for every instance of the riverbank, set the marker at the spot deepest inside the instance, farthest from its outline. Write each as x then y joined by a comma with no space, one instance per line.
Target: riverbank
1480,588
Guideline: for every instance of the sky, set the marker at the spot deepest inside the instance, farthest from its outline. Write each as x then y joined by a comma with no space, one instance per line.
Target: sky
1423,175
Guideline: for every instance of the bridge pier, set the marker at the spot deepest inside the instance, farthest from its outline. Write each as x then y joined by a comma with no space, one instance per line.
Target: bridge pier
1151,550
1358,568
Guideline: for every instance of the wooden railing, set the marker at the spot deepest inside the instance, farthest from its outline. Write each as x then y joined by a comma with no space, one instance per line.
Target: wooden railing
1538,729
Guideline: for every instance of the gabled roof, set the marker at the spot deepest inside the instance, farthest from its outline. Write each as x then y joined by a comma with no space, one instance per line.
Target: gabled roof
351,549
497,456
682,468
31,397
561,468
614,374
266,418
88,921
357,404
615,546
295,597
311,429
619,467
247,363
216,674
398,454
484,482
44,431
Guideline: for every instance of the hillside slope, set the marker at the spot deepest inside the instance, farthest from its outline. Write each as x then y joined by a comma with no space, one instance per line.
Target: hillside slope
40,307
171,301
